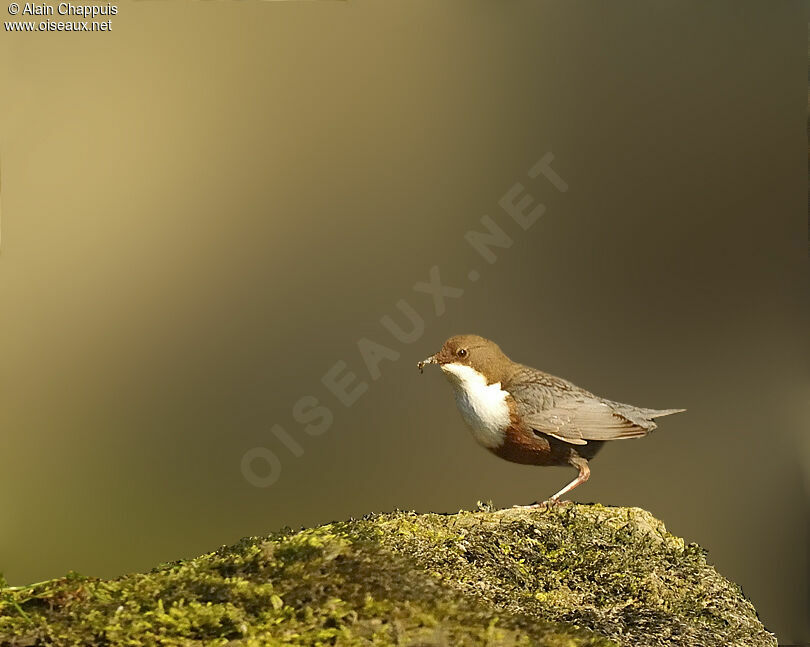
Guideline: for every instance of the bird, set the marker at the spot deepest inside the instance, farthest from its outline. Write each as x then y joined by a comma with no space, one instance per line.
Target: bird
526,416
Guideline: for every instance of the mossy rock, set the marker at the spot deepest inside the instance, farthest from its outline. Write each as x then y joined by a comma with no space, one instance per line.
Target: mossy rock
571,576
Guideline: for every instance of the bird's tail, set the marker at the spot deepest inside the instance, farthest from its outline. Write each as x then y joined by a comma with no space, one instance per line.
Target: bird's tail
657,413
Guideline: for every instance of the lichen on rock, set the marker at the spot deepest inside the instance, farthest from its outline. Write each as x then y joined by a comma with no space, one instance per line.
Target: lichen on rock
578,575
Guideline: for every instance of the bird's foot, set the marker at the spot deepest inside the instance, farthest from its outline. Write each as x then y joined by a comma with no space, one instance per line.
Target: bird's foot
548,503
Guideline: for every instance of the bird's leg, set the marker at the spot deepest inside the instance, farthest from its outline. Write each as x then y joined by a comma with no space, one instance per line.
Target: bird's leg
584,475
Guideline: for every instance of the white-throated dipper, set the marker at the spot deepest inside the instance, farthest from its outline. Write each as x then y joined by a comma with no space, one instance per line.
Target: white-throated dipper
527,416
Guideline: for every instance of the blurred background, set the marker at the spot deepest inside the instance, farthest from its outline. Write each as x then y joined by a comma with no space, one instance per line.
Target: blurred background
207,208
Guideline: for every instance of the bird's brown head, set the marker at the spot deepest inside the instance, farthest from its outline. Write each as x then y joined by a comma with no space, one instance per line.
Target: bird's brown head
476,352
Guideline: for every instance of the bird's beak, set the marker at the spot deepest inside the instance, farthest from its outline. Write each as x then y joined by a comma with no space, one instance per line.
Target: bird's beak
430,360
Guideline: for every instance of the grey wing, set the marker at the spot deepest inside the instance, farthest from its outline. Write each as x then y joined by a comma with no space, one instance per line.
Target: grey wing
578,421
557,408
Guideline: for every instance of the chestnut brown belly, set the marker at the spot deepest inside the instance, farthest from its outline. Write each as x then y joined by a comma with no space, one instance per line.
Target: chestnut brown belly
527,447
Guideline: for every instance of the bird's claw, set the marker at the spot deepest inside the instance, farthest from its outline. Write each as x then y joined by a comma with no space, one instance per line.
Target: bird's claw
548,503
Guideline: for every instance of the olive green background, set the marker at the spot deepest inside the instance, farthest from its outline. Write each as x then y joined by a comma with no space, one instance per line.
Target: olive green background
205,209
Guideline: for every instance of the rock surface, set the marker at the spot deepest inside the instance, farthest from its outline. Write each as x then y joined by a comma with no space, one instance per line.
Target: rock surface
571,576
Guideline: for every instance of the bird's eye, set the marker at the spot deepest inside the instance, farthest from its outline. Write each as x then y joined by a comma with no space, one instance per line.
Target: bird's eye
462,352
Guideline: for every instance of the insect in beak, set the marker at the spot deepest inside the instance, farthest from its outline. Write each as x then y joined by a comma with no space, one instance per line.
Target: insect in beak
430,360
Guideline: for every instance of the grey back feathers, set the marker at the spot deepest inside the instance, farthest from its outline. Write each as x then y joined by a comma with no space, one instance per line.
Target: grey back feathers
553,406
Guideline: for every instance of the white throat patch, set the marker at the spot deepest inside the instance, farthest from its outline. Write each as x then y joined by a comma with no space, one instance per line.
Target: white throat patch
483,406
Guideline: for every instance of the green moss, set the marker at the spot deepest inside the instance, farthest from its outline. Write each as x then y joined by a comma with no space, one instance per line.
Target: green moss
566,577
